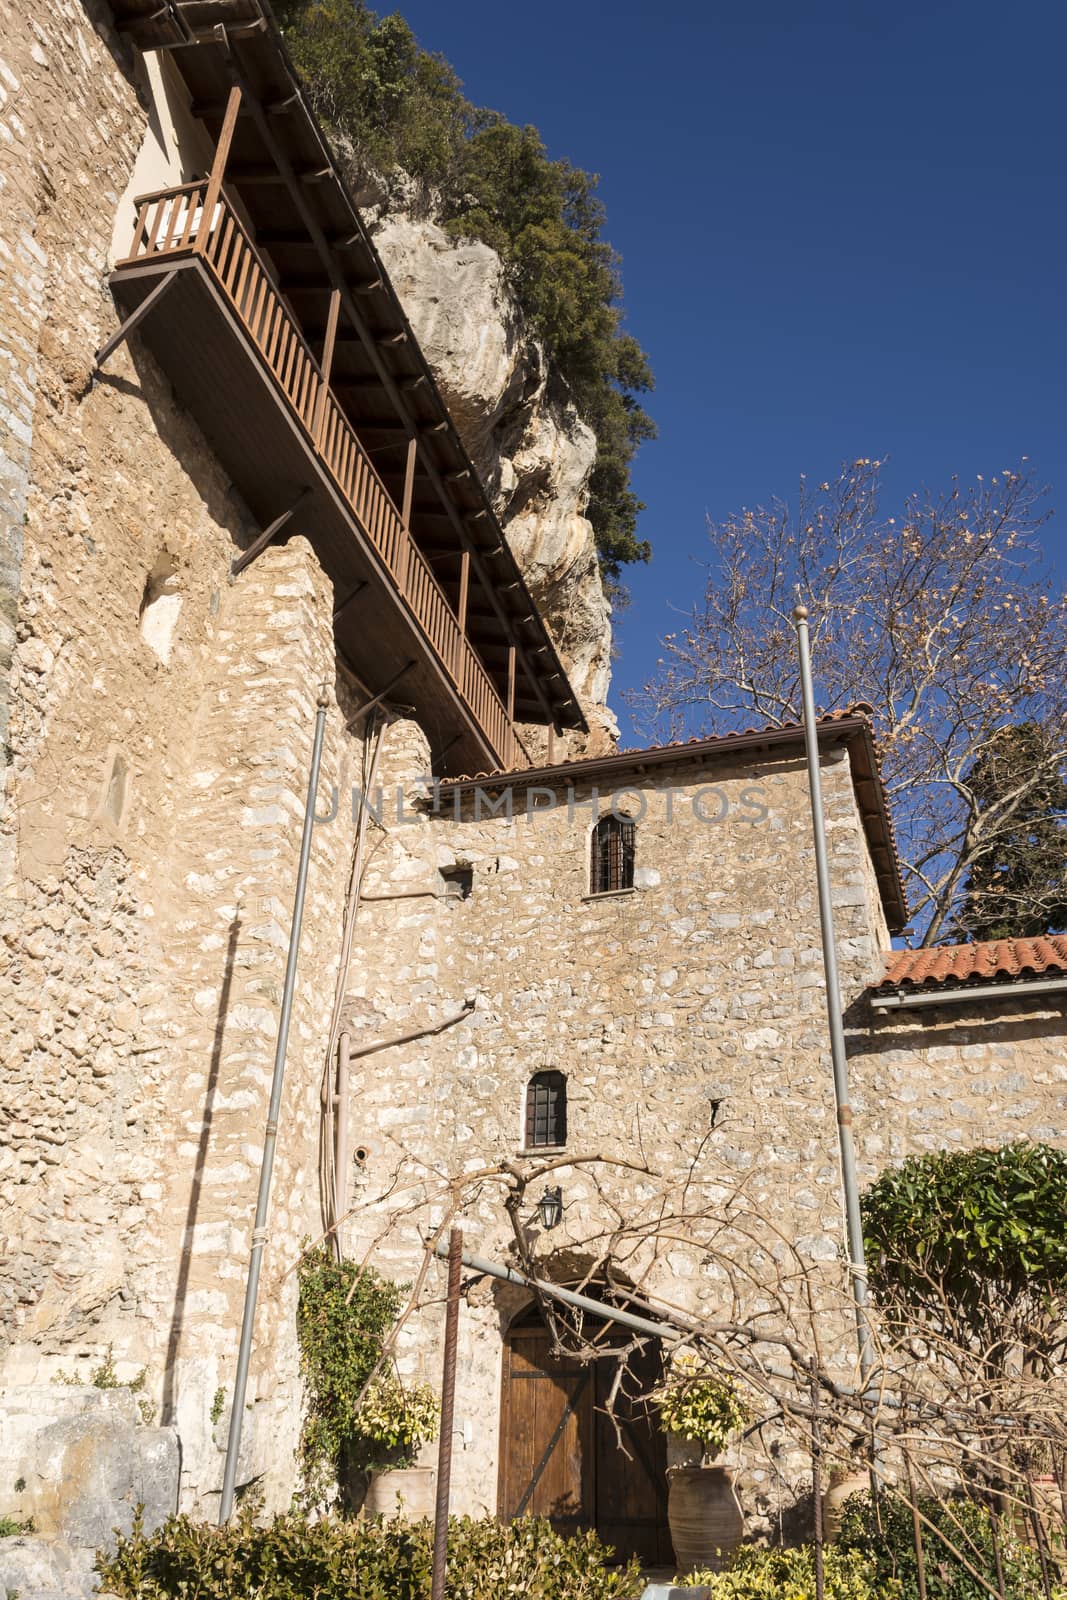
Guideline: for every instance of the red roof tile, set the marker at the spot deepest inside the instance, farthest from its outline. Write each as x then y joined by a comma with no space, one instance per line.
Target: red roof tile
995,961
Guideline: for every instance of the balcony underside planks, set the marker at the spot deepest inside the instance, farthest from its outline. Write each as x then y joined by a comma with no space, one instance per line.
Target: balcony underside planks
215,371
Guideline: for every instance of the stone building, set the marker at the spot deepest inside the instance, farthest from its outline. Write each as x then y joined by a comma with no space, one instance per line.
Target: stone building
231,485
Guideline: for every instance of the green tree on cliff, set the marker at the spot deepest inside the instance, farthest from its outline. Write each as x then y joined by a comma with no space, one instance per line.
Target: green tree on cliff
392,104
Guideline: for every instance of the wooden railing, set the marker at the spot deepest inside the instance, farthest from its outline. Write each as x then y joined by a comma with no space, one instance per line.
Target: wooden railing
170,224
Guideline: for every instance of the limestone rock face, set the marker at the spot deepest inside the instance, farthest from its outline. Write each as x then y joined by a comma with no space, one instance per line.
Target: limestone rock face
534,453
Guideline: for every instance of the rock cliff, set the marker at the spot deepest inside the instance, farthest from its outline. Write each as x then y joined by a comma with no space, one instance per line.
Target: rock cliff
535,453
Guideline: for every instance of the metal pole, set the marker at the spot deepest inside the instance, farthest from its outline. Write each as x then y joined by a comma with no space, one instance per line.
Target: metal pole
596,1308
270,1137
854,1225
816,1486
448,1410
340,1158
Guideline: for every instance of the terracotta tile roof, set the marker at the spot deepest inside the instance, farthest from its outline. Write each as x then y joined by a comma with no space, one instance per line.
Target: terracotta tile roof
638,754
854,726
995,961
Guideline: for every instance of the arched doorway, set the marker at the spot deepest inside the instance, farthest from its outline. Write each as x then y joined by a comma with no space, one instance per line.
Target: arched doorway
560,1455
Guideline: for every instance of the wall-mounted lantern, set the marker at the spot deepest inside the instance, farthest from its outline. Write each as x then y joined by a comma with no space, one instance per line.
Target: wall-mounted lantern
550,1208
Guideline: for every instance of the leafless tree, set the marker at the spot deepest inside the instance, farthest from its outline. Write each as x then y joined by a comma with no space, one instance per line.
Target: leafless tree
944,619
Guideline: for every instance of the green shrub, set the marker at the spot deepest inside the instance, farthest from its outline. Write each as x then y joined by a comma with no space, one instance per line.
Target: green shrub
971,1244
889,1550
700,1403
397,105
343,1315
331,1559
10,1527
756,1574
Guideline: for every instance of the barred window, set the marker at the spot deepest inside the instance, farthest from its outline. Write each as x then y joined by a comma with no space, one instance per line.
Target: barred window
546,1110
613,855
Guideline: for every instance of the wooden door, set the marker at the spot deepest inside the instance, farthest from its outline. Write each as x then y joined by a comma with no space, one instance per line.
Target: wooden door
560,1455
631,1477
546,1434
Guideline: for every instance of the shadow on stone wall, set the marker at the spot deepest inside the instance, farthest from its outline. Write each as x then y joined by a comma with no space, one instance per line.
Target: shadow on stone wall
170,1377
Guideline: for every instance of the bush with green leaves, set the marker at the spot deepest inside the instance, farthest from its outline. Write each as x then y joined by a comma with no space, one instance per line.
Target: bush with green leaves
392,1421
395,105
884,1539
343,1315
333,1559
789,1574
700,1403
970,1245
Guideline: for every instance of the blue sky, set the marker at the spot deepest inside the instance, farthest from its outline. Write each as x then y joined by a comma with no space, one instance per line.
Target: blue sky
843,234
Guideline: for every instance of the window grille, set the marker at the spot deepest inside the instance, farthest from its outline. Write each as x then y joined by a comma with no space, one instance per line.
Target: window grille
546,1110
613,855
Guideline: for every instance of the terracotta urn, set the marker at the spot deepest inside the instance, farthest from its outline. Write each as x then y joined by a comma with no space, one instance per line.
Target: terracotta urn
844,1482
405,1492
705,1517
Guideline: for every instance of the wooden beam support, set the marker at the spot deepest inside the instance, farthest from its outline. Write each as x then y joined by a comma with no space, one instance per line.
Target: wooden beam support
123,331
219,160
300,241
263,174
511,683
316,282
281,159
325,364
202,110
369,705
409,482
348,600
260,543
464,591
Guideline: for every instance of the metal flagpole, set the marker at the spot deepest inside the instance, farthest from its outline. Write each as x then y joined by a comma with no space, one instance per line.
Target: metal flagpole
854,1226
270,1137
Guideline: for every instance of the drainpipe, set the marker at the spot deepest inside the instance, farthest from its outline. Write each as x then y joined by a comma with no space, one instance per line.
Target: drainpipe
854,1226
340,1160
270,1137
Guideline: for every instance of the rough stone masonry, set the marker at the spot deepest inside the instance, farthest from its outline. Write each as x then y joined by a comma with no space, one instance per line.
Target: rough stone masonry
158,732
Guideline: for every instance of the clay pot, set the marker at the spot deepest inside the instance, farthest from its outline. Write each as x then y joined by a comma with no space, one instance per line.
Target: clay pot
405,1492
843,1484
705,1517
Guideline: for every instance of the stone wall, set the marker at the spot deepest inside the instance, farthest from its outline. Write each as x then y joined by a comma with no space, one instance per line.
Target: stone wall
689,1018
160,732
985,1071
687,1014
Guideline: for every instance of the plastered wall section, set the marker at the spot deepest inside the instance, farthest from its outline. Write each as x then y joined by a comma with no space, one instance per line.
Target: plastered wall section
161,721
687,1015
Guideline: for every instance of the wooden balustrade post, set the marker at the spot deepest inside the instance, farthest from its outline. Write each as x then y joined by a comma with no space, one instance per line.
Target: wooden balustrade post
326,364
218,167
409,481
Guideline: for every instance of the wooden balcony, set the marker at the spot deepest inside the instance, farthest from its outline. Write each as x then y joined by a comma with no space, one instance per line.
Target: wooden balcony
229,343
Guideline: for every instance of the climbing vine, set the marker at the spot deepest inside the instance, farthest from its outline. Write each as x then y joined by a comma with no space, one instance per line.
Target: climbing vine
359,1415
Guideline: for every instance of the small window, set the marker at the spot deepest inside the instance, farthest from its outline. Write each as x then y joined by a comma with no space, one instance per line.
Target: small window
613,855
546,1110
